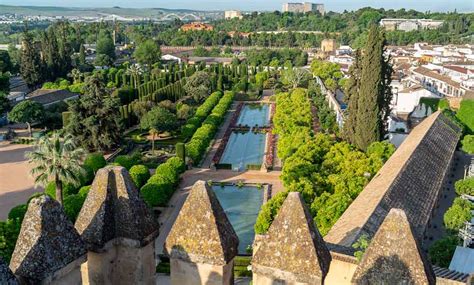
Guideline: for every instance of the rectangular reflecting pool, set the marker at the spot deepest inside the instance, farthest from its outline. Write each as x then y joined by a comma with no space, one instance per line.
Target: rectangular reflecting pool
241,206
243,149
254,114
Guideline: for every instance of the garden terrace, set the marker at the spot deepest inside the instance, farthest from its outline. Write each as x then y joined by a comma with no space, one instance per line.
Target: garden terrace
410,180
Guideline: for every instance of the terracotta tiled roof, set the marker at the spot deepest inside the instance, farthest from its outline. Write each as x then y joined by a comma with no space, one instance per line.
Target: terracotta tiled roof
429,73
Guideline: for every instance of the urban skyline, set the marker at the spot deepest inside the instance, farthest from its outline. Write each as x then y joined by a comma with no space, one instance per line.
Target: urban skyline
248,5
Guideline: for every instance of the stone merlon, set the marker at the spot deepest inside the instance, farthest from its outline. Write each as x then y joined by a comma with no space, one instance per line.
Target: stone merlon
6,275
293,250
394,254
47,242
113,209
202,233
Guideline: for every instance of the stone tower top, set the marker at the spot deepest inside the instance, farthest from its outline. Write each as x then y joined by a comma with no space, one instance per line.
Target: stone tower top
47,241
202,233
114,209
293,245
6,275
394,254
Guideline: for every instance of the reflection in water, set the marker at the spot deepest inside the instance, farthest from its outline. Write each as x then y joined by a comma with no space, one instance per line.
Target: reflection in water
241,206
244,149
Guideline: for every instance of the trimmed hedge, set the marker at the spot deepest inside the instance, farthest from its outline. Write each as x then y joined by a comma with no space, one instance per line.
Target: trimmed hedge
202,137
128,161
139,174
18,212
160,187
201,113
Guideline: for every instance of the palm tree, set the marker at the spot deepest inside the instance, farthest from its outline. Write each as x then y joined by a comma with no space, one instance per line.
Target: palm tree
57,159
135,71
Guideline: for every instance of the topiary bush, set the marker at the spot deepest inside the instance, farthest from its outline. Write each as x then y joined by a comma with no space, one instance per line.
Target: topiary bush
18,212
155,194
72,205
128,161
180,151
139,174
95,161
458,214
465,186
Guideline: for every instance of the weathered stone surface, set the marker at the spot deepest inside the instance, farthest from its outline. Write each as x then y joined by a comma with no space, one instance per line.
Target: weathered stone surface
47,242
6,275
293,245
114,209
202,233
394,256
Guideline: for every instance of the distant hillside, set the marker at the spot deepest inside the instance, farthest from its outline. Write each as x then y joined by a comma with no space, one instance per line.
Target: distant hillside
94,12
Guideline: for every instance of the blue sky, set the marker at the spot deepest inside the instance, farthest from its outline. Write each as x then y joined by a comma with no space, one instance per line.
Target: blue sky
334,5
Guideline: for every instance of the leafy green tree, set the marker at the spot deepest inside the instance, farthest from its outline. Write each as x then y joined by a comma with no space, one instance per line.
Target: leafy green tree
198,85
268,212
458,214
26,112
295,77
95,120
158,120
468,144
6,64
465,186
184,112
31,66
465,114
4,103
56,159
105,44
442,250
148,53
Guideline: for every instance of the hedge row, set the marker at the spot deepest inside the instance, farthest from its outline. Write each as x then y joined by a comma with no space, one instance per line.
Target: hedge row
201,113
160,187
198,144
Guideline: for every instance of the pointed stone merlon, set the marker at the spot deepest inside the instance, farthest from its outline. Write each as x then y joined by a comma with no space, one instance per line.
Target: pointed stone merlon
6,275
49,250
202,243
293,251
119,231
394,254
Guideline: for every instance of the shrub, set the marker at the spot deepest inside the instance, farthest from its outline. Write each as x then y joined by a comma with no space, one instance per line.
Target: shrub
95,161
468,144
73,205
268,212
18,212
442,251
465,186
140,174
155,194
180,151
177,163
128,161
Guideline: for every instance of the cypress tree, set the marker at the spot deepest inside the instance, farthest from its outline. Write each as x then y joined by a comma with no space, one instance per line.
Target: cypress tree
374,97
82,56
31,65
352,99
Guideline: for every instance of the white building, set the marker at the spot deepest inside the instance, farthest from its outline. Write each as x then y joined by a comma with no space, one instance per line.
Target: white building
232,14
408,25
303,7
406,100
